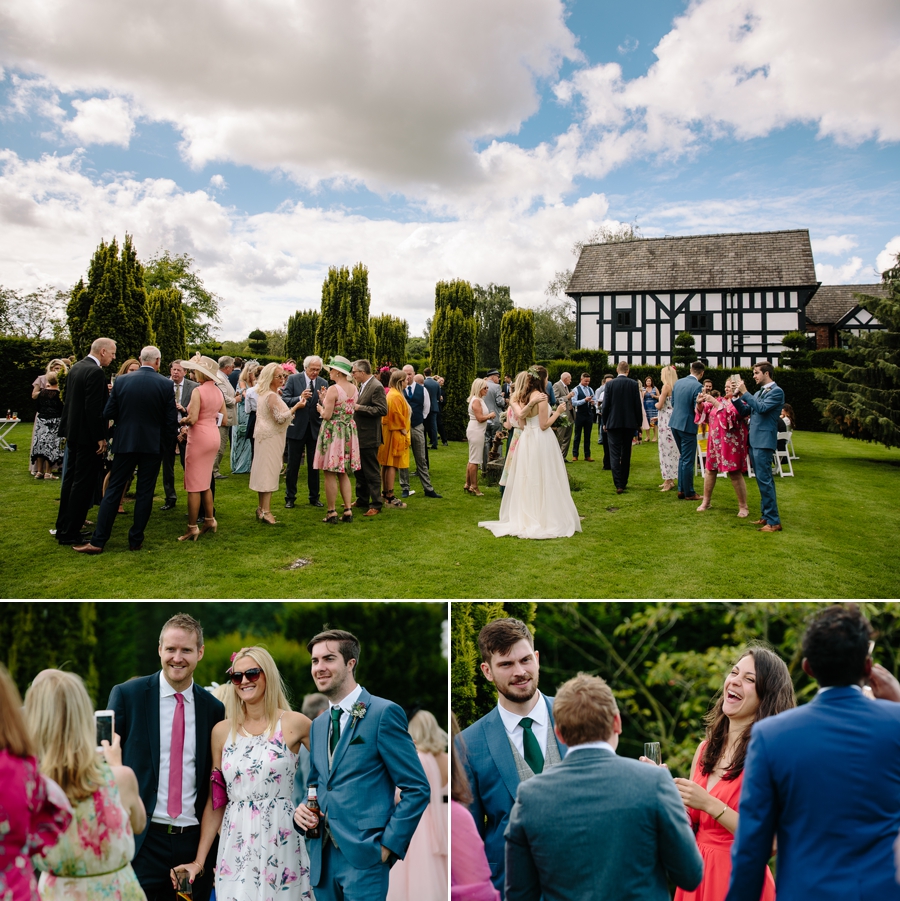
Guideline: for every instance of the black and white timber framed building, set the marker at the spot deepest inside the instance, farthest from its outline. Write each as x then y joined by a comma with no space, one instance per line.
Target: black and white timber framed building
835,311
737,294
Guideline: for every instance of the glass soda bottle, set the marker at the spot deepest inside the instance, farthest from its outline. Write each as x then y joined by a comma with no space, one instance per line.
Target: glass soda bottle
313,804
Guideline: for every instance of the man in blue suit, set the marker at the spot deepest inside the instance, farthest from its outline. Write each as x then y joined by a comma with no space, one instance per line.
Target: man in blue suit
511,743
303,432
824,779
142,405
684,429
360,751
765,406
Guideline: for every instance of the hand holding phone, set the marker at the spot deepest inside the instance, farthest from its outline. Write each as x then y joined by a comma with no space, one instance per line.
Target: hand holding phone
105,721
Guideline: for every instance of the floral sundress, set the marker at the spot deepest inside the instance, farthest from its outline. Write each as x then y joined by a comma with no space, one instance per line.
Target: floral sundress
337,449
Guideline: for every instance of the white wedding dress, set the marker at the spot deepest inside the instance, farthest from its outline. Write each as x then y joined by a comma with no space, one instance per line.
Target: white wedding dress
537,502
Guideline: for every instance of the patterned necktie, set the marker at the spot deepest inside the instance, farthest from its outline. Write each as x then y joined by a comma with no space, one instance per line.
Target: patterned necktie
335,727
176,762
533,756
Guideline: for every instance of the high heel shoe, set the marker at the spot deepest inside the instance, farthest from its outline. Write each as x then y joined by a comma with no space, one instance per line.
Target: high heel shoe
209,525
331,517
267,518
347,516
192,534
259,513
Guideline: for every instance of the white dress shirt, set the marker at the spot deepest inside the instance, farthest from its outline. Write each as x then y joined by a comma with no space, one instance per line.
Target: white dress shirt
604,745
346,704
188,757
426,403
541,717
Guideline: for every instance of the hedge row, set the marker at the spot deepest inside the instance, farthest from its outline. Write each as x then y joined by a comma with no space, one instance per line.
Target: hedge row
27,358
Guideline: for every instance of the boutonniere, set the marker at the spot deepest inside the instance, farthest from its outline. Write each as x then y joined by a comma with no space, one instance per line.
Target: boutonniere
357,711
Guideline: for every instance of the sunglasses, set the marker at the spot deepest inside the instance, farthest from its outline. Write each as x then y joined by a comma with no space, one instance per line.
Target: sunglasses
251,674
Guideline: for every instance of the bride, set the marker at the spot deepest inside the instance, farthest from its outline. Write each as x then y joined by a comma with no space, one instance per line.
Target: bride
537,502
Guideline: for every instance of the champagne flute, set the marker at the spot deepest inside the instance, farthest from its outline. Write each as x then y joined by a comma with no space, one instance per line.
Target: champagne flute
652,751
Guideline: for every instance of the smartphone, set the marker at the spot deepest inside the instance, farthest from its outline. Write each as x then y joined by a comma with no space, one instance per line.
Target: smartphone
106,724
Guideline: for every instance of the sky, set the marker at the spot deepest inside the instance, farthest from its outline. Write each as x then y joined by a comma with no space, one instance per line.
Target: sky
433,140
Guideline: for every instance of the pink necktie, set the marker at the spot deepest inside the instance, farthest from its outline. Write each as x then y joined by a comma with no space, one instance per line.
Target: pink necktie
175,758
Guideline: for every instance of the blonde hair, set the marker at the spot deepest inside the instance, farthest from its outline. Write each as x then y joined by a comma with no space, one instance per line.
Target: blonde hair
14,736
59,364
477,387
60,717
264,382
398,376
276,694
429,737
522,388
669,376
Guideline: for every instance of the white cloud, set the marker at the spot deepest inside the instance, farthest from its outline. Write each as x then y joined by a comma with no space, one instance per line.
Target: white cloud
887,259
218,183
848,274
629,45
833,245
99,121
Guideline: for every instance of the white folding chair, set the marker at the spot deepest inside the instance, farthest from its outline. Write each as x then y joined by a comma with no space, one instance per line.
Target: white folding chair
750,473
790,446
700,457
783,457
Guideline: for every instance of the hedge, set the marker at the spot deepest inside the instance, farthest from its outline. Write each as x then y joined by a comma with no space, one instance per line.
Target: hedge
27,358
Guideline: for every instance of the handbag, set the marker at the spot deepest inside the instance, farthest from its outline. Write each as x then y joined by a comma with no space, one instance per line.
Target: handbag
219,791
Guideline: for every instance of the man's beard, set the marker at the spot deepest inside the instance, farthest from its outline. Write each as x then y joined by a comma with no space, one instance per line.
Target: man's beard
520,697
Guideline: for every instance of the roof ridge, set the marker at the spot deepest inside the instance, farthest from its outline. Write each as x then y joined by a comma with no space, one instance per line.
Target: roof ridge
782,231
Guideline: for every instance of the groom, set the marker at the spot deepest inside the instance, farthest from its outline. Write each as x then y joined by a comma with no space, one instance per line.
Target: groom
360,750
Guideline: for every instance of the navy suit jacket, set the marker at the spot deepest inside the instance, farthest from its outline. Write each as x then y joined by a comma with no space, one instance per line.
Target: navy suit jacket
142,405
766,405
83,422
136,704
484,747
434,393
305,416
825,779
684,404
622,407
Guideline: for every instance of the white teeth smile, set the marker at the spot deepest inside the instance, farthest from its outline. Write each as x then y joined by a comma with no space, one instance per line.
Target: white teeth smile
732,696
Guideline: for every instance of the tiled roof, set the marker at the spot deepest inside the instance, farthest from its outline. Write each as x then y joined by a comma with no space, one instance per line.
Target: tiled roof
832,302
697,262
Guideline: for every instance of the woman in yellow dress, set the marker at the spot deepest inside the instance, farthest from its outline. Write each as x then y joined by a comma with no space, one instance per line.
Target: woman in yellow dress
395,431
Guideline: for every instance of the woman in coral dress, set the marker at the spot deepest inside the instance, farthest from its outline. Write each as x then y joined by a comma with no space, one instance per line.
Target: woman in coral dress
337,448
395,431
759,685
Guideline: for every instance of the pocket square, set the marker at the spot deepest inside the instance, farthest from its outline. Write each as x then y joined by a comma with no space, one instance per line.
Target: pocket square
358,740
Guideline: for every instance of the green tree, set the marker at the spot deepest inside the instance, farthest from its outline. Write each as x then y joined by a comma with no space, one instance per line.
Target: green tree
106,317
453,333
391,336
301,335
167,317
554,331
335,287
353,343
258,342
464,662
864,399
416,348
684,350
516,341
138,332
37,314
798,354
201,306
491,303
77,310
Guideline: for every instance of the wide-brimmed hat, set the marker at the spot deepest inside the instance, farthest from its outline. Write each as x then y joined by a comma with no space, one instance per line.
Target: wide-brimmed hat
341,363
206,365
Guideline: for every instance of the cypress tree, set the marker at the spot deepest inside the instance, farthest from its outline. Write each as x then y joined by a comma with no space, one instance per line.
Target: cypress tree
353,341
138,330
453,333
516,341
491,303
464,663
301,335
865,397
334,288
77,311
391,335
107,317
167,318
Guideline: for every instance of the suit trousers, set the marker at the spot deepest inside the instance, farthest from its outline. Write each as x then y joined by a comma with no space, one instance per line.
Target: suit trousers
583,428
295,449
160,852
686,443
619,441
441,427
341,881
563,436
761,457
431,428
168,471
368,478
77,491
122,469
224,434
417,439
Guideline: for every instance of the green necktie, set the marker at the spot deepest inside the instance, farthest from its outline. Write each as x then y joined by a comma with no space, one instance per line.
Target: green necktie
335,727
533,756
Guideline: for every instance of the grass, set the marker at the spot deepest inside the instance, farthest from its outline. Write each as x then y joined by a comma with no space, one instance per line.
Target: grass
840,515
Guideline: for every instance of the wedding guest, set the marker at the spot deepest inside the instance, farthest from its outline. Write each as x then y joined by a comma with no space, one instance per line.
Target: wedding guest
649,396
759,685
787,414
395,429
55,366
479,417
368,411
303,432
442,400
129,366
224,383
45,450
251,396
622,414
92,860
240,444
182,388
35,813
684,400
669,454
584,404
420,406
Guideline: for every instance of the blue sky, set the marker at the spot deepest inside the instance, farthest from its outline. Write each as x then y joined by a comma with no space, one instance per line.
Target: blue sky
431,141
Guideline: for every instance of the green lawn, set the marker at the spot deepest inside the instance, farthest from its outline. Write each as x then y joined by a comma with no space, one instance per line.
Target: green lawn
840,515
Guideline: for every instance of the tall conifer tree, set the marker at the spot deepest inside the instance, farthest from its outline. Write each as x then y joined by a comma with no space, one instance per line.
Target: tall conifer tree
167,317
334,289
301,335
391,335
516,341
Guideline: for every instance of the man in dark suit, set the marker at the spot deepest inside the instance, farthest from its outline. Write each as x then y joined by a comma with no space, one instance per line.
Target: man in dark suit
583,402
154,715
684,429
142,405
303,432
420,405
431,420
622,416
84,427
511,743
371,405
623,833
183,388
824,778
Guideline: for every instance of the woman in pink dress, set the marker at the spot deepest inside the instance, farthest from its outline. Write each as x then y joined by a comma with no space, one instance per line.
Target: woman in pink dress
726,446
759,685
207,401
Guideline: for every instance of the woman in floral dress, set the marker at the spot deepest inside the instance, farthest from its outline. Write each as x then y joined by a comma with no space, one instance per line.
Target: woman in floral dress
337,450
726,446
668,449
255,748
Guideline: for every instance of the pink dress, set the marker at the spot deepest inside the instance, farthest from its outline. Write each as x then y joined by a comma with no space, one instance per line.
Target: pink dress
726,448
203,439
470,873
337,449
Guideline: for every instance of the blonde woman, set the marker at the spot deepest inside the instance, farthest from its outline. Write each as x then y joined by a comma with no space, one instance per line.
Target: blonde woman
475,432
422,874
395,438
273,417
92,860
39,384
668,449
256,747
241,451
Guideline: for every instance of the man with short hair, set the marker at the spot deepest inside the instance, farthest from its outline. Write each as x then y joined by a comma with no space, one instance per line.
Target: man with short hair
583,402
303,432
601,439
359,753
622,416
623,833
511,743
226,368
143,409
165,722
183,388
431,420
84,428
420,405
823,779
371,405
765,406
563,390
684,429
493,400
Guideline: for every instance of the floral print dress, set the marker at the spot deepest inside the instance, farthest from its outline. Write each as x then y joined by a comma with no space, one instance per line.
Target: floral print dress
726,449
261,856
668,449
338,447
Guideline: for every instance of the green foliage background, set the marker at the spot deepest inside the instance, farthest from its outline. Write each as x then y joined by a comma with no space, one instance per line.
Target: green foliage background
301,335
516,341
453,350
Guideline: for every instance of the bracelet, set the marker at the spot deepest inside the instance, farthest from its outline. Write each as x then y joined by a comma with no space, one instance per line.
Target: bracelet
198,864
721,813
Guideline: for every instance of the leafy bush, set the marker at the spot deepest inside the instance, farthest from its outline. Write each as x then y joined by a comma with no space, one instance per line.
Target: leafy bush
27,358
